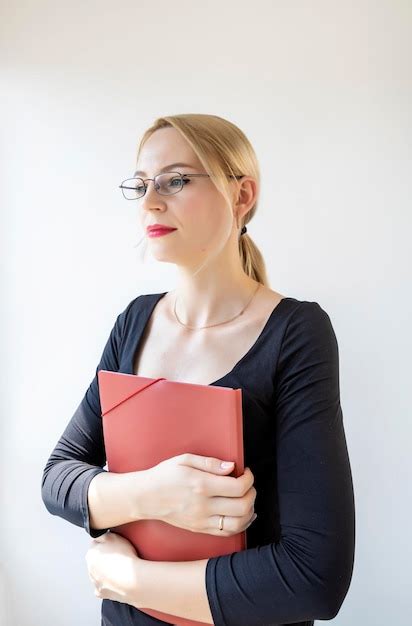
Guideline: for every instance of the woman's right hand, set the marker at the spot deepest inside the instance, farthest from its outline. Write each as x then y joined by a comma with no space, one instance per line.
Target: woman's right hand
191,491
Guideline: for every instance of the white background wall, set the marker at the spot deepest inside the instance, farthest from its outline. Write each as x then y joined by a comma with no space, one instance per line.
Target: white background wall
323,90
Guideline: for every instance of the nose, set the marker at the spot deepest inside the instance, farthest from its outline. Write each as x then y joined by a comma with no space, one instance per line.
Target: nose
151,198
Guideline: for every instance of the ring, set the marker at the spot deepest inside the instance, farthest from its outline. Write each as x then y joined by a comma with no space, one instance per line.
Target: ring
221,522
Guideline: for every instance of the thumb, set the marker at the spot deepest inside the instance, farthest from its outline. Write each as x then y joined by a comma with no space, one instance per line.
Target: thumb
208,463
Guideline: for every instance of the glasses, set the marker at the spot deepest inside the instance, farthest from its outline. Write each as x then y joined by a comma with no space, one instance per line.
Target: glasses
166,184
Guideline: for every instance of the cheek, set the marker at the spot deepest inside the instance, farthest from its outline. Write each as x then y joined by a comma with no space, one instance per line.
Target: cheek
203,214
195,218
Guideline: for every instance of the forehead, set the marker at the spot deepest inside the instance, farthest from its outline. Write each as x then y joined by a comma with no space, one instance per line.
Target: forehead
165,149
167,168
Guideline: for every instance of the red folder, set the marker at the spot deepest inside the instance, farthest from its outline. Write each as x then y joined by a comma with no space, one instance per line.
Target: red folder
148,420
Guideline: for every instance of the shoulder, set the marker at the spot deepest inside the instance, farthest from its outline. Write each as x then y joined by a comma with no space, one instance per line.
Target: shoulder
306,313
307,330
294,310
140,302
131,313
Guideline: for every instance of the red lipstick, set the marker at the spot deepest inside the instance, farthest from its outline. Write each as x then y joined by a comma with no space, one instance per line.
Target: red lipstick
156,230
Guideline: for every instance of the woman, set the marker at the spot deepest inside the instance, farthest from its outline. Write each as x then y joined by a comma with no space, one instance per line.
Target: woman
223,326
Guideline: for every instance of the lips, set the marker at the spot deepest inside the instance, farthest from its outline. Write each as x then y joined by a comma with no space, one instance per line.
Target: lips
151,229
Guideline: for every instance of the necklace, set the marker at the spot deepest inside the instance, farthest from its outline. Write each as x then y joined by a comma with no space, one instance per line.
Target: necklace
232,318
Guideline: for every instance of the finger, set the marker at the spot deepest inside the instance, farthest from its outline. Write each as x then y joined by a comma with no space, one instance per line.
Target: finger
235,507
229,486
230,524
209,464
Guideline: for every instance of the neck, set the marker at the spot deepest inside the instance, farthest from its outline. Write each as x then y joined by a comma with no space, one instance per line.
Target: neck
203,302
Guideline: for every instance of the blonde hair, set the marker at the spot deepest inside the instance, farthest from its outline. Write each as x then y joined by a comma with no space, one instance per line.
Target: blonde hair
223,149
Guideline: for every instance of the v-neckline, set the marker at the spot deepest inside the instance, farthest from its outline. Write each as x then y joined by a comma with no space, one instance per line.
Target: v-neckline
147,312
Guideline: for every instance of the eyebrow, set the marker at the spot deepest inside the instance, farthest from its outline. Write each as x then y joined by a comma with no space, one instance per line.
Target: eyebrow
166,168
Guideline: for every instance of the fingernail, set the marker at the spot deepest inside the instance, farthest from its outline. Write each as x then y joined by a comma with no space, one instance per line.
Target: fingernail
226,464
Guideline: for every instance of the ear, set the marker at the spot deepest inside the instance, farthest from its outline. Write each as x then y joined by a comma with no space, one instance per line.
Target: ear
245,197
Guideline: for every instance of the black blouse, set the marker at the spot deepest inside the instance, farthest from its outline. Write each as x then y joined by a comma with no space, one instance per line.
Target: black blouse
299,560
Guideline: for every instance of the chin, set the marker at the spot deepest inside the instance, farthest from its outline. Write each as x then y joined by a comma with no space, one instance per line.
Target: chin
164,258
163,253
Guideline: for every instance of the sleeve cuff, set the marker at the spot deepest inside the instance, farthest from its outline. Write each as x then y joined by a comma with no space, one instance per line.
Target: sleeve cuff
85,509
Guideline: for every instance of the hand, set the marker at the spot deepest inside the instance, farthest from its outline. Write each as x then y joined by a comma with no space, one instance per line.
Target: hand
191,491
111,562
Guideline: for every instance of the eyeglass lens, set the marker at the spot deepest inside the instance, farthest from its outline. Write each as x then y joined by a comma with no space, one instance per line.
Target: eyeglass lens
165,184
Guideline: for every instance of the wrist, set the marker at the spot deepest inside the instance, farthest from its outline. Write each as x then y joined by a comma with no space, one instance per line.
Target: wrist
135,595
140,487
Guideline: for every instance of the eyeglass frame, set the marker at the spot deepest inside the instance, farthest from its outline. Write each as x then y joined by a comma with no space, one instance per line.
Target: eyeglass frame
161,174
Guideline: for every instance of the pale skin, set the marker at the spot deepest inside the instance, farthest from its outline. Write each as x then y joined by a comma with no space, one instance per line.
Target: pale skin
173,587
206,231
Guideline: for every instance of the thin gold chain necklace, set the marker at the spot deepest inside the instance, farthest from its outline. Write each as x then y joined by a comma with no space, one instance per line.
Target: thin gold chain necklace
232,318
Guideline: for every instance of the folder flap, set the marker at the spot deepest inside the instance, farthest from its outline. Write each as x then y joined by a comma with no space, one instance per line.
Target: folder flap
122,387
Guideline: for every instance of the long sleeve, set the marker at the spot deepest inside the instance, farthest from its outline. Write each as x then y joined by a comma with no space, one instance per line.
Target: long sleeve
306,574
79,455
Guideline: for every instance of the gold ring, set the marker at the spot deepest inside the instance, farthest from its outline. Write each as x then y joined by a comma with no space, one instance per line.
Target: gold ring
221,522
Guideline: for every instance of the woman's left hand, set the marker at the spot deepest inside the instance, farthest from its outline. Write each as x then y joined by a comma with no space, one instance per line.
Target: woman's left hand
112,562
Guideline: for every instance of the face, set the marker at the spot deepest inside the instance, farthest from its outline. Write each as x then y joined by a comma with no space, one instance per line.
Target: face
202,219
